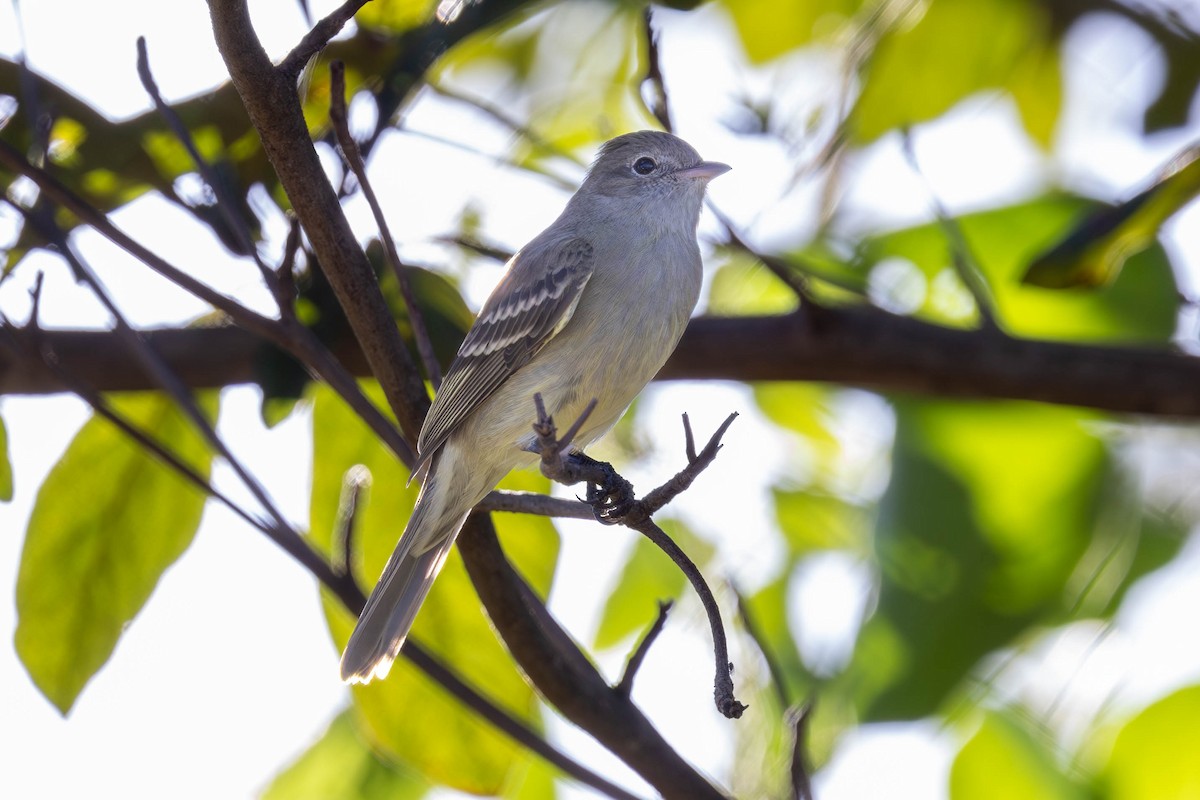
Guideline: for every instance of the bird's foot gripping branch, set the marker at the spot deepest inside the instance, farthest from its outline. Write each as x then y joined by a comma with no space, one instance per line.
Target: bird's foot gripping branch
614,503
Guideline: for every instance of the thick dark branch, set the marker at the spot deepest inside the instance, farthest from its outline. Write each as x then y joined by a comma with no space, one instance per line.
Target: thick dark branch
274,108
856,346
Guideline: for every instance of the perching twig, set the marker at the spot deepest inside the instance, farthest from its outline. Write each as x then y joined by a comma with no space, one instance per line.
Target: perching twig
225,203
613,502
341,125
638,655
542,505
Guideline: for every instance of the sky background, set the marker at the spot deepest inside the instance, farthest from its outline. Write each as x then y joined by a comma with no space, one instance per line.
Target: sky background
229,672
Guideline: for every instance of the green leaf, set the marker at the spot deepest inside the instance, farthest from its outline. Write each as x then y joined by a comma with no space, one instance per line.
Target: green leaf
1140,306
1004,760
803,408
813,521
990,509
108,520
940,52
648,576
772,28
1096,248
1155,753
6,476
341,765
445,742
742,285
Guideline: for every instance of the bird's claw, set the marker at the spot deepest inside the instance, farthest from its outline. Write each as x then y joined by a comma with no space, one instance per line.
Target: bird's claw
612,499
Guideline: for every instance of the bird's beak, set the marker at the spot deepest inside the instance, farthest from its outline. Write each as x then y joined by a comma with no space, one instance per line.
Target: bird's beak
705,170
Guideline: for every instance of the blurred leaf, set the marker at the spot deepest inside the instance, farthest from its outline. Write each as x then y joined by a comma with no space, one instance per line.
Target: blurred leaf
1003,760
772,28
1155,753
989,511
533,780
6,476
648,576
742,286
930,58
446,315
813,521
444,742
1131,539
395,16
340,765
803,408
578,66
1140,306
768,609
108,520
1093,251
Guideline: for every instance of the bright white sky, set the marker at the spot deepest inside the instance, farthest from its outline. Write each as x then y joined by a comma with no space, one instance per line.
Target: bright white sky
184,708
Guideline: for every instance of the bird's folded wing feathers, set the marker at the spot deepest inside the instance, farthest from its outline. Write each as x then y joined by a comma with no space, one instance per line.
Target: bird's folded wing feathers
533,302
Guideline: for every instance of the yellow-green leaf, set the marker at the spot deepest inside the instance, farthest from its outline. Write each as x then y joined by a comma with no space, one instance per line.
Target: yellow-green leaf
6,476
108,520
341,765
407,716
1093,251
940,52
742,285
771,28
1140,306
648,576
1003,760
1155,754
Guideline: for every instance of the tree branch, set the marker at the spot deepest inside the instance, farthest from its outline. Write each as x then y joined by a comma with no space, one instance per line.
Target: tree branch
851,345
274,108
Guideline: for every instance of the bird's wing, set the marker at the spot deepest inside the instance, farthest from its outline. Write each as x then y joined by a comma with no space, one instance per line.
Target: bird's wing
532,303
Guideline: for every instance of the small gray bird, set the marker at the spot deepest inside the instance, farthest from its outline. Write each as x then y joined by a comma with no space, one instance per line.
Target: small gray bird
591,308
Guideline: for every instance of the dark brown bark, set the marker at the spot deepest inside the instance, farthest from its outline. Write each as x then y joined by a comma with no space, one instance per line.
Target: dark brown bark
854,346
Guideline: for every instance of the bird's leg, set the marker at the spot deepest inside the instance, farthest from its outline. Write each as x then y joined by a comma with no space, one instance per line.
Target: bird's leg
609,495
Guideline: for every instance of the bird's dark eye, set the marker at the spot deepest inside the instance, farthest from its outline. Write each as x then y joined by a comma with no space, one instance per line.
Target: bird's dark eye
645,165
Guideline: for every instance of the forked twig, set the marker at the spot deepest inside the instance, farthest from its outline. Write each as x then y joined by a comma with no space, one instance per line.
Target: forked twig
614,503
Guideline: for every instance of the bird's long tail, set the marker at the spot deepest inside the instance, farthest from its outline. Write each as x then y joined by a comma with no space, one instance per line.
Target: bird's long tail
407,578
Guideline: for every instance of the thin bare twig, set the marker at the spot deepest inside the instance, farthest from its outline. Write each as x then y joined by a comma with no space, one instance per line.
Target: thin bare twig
639,653
965,263
652,82
799,772
501,116
614,503
225,204
778,681
341,125
318,37
287,333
